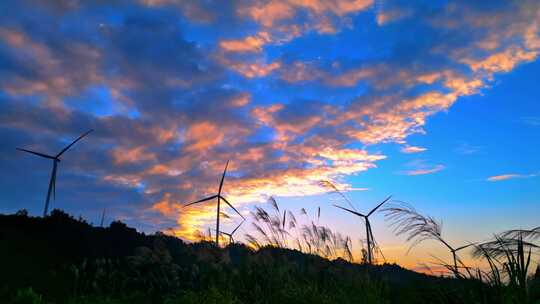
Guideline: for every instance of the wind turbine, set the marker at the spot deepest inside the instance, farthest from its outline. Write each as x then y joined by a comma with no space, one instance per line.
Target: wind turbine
369,232
219,198
454,253
231,234
56,160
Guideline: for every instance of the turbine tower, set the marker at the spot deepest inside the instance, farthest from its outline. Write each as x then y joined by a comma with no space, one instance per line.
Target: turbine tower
369,232
56,160
219,198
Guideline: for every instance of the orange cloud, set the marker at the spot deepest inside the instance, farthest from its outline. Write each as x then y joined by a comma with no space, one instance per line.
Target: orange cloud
161,169
122,155
240,100
54,82
338,7
350,78
254,70
344,155
166,207
203,135
393,118
502,61
277,15
269,12
265,114
246,45
13,37
391,15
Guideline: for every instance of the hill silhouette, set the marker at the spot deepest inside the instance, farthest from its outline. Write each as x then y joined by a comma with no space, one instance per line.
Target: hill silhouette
61,259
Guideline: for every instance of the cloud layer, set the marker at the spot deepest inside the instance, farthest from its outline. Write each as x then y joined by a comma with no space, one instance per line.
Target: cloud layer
171,99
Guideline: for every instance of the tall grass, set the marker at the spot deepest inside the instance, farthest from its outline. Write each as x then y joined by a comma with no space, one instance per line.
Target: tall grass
283,229
418,228
509,257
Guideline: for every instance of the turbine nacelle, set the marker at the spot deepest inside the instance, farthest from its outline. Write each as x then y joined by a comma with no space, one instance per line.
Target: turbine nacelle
370,212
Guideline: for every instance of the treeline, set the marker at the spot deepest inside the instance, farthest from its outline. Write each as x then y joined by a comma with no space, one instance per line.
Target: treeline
61,259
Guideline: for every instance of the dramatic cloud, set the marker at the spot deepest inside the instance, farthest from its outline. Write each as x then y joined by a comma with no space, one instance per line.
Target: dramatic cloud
292,92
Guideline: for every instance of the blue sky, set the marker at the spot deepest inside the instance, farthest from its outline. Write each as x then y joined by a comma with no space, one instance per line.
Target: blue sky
433,102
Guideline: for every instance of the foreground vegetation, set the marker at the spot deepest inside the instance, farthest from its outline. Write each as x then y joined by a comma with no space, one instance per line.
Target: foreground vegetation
59,259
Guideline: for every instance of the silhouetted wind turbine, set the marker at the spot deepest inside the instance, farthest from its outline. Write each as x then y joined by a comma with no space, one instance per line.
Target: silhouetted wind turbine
219,198
56,160
231,234
454,253
369,232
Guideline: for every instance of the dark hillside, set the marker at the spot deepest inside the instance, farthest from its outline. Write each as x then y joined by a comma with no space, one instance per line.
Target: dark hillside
61,259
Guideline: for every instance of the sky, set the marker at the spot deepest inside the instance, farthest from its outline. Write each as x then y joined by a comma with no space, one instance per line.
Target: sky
433,102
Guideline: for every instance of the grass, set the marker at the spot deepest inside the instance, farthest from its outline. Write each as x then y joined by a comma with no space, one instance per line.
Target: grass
60,259
508,254
300,233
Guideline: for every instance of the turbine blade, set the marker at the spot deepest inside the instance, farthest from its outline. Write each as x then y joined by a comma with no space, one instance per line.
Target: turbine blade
221,232
71,144
379,205
227,202
464,246
36,153
237,227
349,210
223,178
202,200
